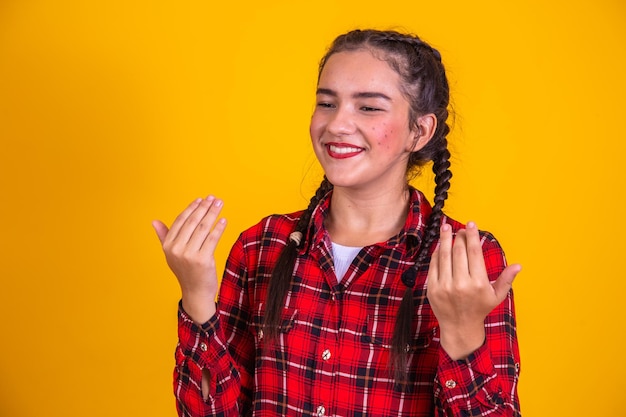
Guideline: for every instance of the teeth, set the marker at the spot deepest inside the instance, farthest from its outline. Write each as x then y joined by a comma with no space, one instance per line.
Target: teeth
343,149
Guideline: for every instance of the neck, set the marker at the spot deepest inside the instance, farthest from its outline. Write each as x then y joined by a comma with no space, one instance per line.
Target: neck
362,219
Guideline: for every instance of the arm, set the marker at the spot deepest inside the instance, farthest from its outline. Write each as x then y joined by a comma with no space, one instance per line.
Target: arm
207,377
469,291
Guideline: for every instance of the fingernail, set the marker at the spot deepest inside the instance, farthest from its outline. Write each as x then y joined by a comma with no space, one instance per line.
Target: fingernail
218,203
445,227
471,225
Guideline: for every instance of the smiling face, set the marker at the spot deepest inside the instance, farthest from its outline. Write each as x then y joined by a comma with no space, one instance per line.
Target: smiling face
360,127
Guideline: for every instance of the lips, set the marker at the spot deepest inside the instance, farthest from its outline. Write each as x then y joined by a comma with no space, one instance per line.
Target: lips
341,151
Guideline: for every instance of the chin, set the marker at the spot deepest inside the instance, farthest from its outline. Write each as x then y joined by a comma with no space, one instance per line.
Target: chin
342,182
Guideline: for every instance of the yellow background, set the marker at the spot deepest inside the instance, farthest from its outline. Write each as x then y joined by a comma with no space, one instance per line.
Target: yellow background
113,113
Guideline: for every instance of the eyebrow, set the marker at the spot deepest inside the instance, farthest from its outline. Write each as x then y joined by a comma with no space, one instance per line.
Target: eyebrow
363,94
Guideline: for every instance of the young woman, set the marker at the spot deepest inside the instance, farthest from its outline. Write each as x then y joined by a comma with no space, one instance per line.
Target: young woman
368,303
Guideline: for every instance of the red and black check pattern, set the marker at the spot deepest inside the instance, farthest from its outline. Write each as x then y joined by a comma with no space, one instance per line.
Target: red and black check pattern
331,357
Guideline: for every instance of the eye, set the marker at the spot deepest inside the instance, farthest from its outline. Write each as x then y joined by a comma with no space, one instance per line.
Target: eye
325,105
370,108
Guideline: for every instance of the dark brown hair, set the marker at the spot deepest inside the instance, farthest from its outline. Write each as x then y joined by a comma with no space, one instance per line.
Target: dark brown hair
424,84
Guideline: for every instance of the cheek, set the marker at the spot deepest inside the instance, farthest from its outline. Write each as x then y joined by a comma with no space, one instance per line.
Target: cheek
315,126
316,130
391,134
384,135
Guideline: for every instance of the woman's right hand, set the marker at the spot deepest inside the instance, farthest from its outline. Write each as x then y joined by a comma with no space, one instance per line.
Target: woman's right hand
189,247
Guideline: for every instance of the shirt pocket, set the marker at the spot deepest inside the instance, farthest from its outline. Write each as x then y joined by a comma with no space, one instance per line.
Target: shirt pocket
288,323
378,331
422,352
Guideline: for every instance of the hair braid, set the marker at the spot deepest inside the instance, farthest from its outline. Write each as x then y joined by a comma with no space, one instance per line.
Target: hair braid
280,280
402,335
441,169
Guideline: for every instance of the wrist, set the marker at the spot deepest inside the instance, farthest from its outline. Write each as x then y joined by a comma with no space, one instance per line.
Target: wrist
199,307
460,342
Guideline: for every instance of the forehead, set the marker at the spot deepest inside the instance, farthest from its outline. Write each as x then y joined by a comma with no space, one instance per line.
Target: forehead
359,70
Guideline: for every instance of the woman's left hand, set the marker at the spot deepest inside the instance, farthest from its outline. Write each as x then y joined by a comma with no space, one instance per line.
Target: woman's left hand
459,290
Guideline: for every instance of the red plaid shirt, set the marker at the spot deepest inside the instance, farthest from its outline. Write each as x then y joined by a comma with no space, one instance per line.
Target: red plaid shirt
331,357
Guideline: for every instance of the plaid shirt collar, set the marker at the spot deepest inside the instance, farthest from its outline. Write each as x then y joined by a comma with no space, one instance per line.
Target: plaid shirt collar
414,226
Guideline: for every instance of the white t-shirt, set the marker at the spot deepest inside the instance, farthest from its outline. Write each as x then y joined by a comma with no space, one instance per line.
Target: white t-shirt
343,257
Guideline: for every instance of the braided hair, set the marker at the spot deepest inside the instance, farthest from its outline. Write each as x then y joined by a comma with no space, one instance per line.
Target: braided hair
280,281
425,86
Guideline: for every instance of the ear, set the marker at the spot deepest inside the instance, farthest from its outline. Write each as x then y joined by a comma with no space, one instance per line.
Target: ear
422,132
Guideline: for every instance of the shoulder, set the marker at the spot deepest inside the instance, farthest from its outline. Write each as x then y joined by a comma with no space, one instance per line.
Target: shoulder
491,247
263,242
273,228
486,237
493,254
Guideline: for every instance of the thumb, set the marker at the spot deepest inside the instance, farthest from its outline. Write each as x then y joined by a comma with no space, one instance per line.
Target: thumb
161,230
505,281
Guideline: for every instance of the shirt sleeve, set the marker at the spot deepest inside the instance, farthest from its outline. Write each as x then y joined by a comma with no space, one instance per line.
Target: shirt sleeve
222,347
485,383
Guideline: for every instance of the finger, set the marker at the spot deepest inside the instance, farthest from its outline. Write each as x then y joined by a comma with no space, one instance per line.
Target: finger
193,219
476,259
161,230
182,218
211,242
503,284
433,267
445,252
459,256
204,226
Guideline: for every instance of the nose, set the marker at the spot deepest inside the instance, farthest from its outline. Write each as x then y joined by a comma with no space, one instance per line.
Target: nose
341,122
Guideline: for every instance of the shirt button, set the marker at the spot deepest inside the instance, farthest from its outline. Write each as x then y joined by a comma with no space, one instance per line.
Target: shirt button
203,347
326,354
260,334
321,411
450,383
